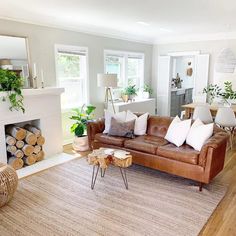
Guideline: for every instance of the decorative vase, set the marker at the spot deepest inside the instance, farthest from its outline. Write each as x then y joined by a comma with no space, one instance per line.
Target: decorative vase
146,95
81,144
125,98
131,97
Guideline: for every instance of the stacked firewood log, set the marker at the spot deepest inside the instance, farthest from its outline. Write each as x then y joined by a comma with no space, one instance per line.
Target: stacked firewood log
24,145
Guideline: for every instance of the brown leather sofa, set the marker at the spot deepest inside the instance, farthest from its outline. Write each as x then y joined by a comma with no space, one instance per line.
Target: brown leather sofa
153,151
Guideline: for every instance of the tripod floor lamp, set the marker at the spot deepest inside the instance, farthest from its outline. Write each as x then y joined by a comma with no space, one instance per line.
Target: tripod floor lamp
107,81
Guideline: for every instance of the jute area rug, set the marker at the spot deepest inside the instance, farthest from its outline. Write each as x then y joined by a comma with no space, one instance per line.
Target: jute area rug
59,201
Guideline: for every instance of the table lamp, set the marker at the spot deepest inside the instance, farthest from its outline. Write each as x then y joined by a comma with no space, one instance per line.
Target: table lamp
107,81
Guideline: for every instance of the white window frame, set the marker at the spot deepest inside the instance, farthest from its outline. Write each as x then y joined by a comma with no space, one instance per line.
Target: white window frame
72,48
126,55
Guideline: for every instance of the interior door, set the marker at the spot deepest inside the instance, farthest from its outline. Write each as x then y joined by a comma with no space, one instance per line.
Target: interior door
163,85
201,77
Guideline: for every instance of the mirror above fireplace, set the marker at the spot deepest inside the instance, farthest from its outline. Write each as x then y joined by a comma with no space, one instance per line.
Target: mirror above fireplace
14,55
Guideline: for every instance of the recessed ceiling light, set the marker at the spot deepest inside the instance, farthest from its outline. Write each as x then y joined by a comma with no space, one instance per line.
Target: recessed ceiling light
165,30
143,23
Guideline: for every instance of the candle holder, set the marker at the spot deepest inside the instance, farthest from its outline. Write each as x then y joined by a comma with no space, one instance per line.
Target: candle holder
35,84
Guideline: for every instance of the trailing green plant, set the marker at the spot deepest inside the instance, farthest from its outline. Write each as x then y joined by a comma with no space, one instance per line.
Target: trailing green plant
147,88
12,84
130,90
81,117
212,91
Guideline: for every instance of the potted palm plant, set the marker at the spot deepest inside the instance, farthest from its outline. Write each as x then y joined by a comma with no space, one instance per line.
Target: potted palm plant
129,93
81,117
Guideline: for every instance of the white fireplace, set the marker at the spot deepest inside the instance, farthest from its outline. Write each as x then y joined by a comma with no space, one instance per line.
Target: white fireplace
43,106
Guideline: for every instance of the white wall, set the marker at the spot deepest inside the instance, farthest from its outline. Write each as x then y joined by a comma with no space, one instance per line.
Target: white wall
41,48
181,68
211,47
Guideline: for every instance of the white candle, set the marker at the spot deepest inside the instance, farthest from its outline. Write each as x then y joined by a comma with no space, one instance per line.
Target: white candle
22,72
34,70
42,77
27,70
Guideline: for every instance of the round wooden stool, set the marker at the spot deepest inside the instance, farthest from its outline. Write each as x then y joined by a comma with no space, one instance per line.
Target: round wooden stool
8,183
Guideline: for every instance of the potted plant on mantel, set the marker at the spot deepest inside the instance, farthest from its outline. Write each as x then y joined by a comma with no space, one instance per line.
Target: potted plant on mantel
147,91
79,128
12,84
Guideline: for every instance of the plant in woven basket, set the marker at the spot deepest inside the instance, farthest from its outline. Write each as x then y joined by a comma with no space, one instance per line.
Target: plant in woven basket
12,84
81,117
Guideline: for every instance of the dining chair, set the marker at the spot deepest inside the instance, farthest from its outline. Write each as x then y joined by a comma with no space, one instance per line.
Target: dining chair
225,119
203,113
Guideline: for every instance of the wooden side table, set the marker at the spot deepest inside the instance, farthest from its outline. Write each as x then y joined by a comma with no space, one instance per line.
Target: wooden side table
103,157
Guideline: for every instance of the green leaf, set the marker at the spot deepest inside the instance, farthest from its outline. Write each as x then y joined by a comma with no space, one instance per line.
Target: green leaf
83,114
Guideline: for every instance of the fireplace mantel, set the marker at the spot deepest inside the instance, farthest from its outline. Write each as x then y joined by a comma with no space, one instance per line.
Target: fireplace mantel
38,92
40,104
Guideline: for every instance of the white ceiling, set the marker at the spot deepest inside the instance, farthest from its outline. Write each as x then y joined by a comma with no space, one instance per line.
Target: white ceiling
160,21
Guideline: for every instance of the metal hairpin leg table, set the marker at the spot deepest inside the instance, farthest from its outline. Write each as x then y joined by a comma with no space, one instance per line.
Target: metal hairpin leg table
101,162
103,171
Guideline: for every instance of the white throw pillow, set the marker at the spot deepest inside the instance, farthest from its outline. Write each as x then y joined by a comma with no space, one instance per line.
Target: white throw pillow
198,134
121,116
140,126
178,131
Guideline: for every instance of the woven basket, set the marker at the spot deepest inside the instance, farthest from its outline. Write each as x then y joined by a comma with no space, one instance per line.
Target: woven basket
8,183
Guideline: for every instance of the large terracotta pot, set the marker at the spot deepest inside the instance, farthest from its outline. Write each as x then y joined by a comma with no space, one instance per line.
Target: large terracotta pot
81,144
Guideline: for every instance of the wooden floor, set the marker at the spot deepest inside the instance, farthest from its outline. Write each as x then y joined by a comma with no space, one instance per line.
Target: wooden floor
223,220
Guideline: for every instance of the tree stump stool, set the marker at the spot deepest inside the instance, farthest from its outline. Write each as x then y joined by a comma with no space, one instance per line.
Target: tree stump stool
103,157
8,183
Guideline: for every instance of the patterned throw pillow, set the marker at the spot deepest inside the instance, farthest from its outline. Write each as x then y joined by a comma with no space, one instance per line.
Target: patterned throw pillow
122,129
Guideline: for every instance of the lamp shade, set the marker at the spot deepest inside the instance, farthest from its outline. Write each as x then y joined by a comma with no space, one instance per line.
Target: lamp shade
107,80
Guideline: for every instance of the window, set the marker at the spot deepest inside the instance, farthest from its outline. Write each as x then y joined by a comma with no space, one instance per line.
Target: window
129,67
71,70
72,75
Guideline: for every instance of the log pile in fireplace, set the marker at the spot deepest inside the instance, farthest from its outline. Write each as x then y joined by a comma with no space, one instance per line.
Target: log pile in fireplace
24,145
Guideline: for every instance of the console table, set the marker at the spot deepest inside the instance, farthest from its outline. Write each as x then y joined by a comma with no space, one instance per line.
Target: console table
142,105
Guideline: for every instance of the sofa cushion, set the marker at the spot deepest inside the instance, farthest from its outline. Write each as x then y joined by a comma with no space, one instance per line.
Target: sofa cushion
145,143
184,153
158,125
112,140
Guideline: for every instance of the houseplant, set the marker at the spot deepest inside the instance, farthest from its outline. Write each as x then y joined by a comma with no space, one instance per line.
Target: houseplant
12,84
147,91
81,117
129,93
212,91
229,94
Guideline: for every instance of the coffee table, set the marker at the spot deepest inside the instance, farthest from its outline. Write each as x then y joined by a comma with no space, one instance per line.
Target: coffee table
101,158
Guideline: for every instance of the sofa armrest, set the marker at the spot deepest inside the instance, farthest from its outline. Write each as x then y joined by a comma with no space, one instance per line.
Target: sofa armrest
216,143
94,127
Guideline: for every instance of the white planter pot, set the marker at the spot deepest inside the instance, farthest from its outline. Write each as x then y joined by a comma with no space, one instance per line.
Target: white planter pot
81,144
146,95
